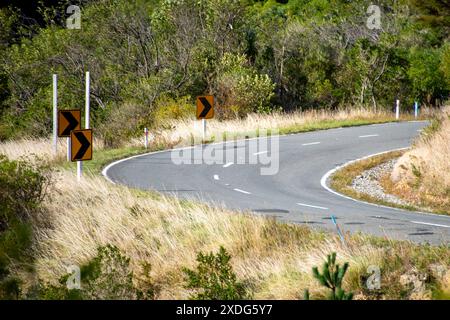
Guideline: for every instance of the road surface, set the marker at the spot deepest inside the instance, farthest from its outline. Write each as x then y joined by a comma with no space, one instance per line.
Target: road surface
299,191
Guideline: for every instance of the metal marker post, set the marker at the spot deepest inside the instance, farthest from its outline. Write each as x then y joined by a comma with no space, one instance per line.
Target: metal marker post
397,109
416,109
333,218
146,138
55,113
204,129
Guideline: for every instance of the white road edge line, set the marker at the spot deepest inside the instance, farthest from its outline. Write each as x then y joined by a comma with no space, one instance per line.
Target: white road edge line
228,164
369,136
216,177
311,206
326,176
431,224
310,144
242,191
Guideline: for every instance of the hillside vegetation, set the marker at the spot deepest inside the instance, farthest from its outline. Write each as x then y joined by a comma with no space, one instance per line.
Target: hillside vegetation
148,59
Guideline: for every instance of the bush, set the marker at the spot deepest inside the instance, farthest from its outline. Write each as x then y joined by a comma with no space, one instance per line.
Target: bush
214,278
240,89
22,190
167,109
107,276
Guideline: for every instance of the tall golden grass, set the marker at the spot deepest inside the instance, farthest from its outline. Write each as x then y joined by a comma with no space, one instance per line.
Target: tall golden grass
422,175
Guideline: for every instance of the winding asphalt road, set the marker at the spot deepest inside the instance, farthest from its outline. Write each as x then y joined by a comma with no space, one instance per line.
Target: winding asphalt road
298,192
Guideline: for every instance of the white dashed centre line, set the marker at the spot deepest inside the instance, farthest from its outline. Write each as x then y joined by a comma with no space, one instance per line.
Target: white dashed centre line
310,144
242,191
228,164
431,224
258,153
311,206
369,136
216,177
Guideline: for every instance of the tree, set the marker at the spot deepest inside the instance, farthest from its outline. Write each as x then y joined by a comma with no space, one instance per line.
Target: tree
331,277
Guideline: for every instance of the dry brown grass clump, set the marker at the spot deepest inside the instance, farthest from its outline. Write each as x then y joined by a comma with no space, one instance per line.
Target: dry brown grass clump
422,175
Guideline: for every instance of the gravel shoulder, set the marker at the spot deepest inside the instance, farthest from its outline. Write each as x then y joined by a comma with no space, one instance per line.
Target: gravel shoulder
368,183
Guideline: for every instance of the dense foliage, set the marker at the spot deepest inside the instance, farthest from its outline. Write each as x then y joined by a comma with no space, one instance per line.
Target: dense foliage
254,56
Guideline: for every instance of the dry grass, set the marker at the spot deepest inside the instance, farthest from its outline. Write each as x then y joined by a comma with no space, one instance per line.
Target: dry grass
422,175
276,258
33,148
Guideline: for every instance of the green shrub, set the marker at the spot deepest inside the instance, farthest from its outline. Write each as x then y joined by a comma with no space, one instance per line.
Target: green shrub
22,190
167,109
214,278
240,89
107,276
331,278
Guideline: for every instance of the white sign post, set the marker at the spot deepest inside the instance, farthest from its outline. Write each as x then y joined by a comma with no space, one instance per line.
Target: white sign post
87,121
204,129
68,148
55,113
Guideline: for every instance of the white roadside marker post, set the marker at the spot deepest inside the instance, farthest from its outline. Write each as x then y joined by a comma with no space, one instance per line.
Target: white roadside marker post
146,138
55,113
397,109
416,109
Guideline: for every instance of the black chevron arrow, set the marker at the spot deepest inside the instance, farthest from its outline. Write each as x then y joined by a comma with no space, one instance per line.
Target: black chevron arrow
73,123
85,144
207,106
